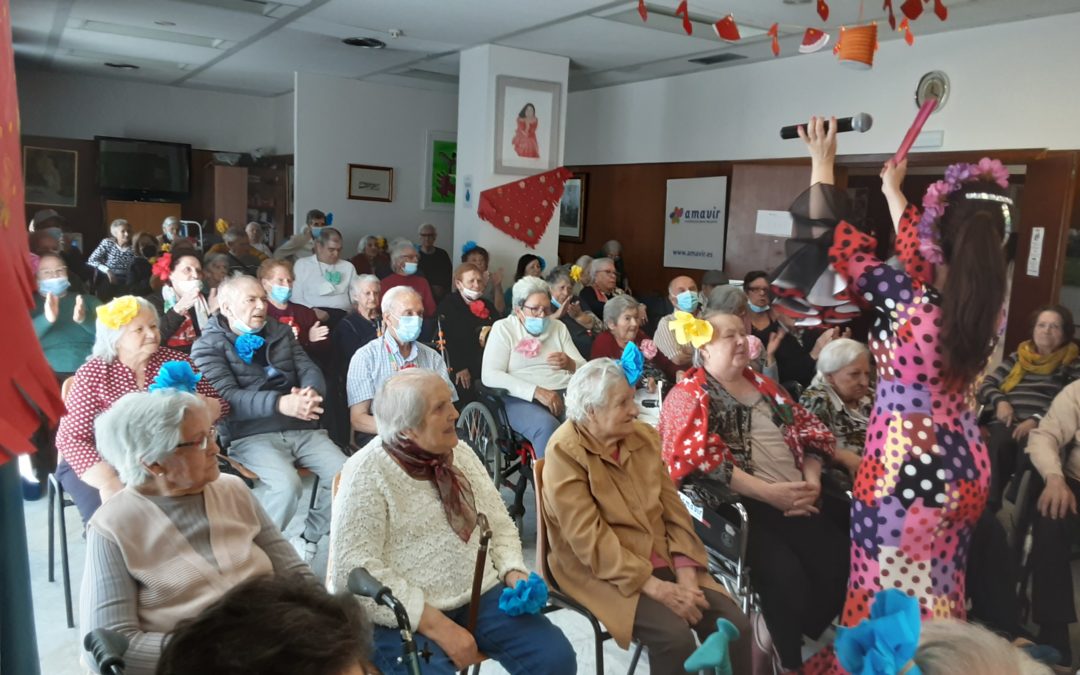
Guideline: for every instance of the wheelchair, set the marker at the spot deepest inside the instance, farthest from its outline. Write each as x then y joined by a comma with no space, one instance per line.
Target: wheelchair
507,456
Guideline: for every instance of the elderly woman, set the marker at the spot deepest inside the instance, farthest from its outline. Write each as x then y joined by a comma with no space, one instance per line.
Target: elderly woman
216,267
257,238
726,427
725,299
408,509
622,316
170,230
840,396
370,259
276,278
532,357
620,540
528,265
583,326
114,254
179,534
602,288
63,320
183,308
126,357
466,317
493,289
405,261
361,327
1020,390
141,270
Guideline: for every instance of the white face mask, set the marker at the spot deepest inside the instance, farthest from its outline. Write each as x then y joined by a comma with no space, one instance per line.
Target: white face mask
184,286
470,294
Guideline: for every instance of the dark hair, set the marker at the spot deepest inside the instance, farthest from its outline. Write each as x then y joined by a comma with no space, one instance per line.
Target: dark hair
175,258
1067,326
271,625
476,249
523,262
971,242
753,276
527,105
314,214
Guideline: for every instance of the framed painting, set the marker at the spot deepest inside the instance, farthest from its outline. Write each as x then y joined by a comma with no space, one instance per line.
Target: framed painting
572,209
440,172
527,119
371,183
51,176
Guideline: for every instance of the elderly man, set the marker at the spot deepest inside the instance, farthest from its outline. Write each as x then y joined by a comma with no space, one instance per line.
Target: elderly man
684,297
276,392
603,286
257,237
435,263
323,280
237,247
378,360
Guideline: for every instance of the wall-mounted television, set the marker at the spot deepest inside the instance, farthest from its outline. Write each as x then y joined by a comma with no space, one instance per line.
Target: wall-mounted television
134,169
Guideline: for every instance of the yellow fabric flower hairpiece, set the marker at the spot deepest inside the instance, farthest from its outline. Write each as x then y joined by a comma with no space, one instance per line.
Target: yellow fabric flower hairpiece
575,273
119,312
221,225
689,329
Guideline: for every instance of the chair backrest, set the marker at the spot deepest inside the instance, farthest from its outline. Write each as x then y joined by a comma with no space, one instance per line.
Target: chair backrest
65,388
541,527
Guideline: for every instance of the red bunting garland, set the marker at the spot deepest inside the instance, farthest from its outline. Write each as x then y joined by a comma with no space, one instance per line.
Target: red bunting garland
523,208
726,29
774,33
905,27
892,16
642,10
823,10
684,11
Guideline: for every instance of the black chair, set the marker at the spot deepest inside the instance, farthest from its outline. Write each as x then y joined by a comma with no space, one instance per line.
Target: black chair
723,525
56,493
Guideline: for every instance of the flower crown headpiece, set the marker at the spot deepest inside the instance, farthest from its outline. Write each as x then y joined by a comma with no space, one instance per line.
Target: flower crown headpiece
161,266
937,198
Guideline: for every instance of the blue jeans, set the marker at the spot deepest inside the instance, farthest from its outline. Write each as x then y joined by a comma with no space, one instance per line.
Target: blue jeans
532,420
523,645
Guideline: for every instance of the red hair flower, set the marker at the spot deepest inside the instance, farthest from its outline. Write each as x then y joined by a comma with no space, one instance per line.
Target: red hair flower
161,267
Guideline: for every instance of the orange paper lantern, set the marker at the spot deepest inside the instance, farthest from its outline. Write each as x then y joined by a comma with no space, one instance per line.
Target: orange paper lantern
856,46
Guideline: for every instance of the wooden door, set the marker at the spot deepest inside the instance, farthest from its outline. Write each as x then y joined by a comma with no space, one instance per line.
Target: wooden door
143,216
230,194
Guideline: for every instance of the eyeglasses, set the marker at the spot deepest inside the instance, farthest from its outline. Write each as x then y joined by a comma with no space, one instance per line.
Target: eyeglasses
58,273
535,310
204,443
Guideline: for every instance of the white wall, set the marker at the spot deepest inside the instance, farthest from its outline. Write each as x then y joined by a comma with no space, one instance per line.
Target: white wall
1015,85
476,137
284,124
66,105
341,122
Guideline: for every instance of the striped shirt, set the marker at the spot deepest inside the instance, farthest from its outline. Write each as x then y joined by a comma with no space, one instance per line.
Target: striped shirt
377,361
109,257
1032,395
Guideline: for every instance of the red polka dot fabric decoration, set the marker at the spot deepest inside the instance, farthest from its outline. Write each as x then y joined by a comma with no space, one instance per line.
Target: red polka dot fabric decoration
523,208
26,380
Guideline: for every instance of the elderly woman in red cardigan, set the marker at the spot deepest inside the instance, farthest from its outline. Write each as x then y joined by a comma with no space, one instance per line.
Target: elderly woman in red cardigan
622,317
726,427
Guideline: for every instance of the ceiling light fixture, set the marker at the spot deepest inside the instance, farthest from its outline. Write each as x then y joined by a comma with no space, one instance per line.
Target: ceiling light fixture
366,43
122,66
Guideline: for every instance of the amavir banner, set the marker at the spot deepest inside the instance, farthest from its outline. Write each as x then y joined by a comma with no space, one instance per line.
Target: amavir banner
695,223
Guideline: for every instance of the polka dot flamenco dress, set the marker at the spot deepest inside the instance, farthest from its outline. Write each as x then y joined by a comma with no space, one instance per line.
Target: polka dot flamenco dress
925,474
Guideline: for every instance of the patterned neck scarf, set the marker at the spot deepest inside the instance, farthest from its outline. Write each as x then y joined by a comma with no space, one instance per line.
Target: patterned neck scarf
453,487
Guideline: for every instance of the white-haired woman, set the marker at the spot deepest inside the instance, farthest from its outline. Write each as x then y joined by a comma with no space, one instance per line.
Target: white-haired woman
407,509
622,316
114,255
840,396
126,357
725,427
362,326
179,534
405,261
370,258
170,231
602,286
532,358
620,541
584,326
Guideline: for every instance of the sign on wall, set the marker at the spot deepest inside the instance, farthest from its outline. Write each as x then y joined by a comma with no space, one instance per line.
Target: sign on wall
695,223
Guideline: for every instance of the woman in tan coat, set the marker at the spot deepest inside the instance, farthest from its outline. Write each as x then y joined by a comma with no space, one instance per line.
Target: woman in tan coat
620,540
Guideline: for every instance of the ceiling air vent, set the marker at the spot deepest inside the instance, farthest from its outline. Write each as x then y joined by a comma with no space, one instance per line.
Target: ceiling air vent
365,42
717,58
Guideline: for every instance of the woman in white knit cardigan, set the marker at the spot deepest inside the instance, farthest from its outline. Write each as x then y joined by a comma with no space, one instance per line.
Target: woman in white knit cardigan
406,510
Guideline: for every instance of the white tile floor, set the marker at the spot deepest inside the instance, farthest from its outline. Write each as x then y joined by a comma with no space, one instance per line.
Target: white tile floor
58,645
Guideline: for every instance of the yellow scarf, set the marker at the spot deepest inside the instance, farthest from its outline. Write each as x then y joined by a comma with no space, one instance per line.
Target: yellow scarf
1028,360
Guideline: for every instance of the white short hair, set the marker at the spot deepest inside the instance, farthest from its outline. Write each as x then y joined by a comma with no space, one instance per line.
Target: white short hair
611,246
398,250
615,307
590,387
593,266
142,428
526,286
433,228
396,295
169,220
105,338
838,354
364,241
362,280
118,223
948,646
400,404
229,289
725,300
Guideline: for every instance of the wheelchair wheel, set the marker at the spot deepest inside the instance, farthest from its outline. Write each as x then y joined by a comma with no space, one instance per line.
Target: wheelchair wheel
479,430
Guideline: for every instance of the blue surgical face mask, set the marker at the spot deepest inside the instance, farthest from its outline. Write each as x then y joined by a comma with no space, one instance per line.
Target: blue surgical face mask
239,327
688,301
280,293
54,286
409,269
757,310
315,232
555,303
536,325
408,328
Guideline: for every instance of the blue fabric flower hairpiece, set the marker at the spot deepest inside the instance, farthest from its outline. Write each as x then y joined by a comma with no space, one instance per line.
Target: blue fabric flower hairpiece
528,596
468,246
632,363
543,263
329,219
886,642
247,344
175,376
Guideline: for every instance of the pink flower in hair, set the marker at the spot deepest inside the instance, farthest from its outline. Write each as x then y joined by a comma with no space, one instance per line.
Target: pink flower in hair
993,170
648,349
755,345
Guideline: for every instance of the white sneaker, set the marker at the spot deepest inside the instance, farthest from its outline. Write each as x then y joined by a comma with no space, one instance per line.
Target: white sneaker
306,549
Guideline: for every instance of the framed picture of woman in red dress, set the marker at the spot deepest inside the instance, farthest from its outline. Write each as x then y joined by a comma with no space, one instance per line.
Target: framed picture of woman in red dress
527,118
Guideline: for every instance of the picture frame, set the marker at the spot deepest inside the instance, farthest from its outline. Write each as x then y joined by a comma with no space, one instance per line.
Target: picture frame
526,142
572,208
371,183
439,188
51,176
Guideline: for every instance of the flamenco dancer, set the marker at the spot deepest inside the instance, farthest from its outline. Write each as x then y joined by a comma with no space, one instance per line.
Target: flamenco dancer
925,475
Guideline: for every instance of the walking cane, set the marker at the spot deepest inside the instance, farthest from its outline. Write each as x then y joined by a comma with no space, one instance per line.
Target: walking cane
478,574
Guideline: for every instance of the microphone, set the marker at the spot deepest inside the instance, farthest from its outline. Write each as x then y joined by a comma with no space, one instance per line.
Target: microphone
363,584
861,123
107,649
